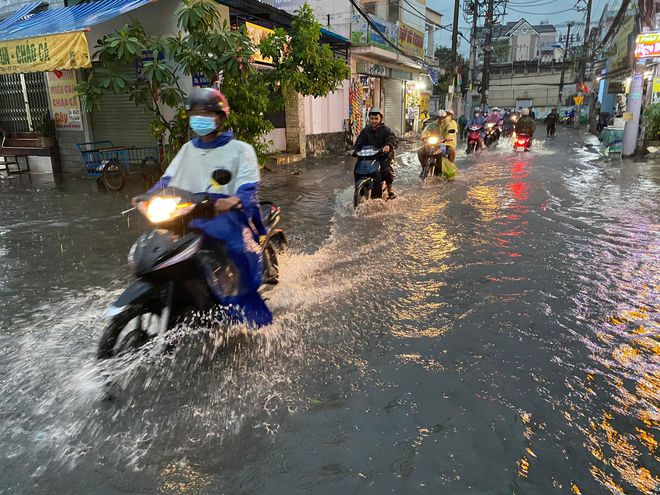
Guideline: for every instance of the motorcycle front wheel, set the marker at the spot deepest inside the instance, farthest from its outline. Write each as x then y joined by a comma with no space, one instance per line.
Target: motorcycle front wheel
362,192
428,170
127,331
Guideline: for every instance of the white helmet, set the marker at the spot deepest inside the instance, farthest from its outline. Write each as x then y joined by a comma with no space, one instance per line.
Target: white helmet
525,111
442,114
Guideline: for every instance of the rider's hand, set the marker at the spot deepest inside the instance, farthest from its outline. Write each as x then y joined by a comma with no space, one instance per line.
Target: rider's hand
224,205
387,148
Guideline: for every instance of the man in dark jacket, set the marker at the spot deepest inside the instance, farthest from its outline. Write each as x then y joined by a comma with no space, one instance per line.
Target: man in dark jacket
525,124
380,136
551,122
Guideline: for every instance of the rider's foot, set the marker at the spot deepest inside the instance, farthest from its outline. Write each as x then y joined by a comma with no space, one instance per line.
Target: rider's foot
392,195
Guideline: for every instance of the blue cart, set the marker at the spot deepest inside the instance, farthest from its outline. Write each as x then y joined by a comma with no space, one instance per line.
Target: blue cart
111,164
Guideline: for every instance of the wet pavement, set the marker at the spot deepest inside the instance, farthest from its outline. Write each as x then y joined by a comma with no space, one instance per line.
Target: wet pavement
497,334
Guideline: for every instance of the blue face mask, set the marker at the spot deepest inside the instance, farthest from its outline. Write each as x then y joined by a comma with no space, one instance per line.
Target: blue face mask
202,126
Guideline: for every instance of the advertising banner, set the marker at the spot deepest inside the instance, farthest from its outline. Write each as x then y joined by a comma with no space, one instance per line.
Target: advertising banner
647,45
44,53
64,100
411,41
256,34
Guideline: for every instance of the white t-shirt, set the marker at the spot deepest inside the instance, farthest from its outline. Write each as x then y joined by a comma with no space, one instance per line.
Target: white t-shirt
192,168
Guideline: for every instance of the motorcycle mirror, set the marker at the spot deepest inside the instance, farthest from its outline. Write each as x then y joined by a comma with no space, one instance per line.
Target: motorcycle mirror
222,176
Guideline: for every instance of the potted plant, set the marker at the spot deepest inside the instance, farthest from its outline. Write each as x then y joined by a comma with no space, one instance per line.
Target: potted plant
46,130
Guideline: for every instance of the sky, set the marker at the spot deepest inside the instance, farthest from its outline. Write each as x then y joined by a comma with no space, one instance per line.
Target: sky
548,10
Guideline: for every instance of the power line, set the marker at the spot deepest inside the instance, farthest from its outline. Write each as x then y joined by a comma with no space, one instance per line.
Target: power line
541,13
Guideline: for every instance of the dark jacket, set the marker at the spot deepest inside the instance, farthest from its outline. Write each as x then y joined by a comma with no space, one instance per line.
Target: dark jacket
378,137
525,125
552,118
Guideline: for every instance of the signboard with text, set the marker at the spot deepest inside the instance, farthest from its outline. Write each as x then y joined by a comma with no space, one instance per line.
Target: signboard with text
411,41
647,45
45,53
64,101
256,34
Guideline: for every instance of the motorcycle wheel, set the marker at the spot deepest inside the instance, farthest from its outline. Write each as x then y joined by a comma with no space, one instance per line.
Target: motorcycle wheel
428,170
271,266
110,344
362,192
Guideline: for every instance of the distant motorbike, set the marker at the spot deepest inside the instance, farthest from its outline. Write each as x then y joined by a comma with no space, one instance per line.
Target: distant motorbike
522,142
368,182
179,271
433,165
492,134
473,138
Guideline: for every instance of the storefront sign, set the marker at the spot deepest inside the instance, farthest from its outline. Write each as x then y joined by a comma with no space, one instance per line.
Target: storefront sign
372,69
647,45
411,41
64,101
44,54
257,34
388,29
359,30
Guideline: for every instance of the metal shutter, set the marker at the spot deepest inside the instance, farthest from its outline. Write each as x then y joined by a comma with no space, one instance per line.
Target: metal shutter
393,108
120,121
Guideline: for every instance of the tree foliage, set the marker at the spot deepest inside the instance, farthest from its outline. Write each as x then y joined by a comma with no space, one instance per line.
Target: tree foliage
205,46
444,56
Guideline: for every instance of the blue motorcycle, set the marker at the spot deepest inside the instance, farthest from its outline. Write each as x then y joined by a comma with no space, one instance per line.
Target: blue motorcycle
368,182
181,273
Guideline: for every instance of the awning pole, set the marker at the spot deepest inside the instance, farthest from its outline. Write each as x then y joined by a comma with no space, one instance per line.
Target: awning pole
28,113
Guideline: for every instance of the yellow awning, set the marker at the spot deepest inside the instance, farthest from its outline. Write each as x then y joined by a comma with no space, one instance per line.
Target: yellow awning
45,53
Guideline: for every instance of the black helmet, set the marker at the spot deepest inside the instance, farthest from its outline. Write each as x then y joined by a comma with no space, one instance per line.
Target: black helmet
209,99
375,111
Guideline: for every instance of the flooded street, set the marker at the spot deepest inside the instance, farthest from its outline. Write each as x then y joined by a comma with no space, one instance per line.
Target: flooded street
494,335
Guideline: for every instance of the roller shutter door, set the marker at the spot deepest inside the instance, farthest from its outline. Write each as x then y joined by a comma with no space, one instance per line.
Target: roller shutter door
393,108
120,121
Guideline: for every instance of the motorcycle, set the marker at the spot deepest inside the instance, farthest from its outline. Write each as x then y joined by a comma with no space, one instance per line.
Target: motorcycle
492,134
177,275
368,183
522,142
433,152
474,135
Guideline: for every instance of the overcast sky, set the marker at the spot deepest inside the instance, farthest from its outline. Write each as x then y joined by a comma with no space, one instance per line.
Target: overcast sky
546,10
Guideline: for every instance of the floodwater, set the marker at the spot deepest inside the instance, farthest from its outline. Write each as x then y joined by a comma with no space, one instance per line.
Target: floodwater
494,335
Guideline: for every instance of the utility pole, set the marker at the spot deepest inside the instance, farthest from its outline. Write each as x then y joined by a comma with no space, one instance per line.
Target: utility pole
488,50
563,66
473,51
454,54
583,64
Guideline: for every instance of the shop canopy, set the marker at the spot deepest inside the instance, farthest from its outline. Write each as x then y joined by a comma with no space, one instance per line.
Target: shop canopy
49,40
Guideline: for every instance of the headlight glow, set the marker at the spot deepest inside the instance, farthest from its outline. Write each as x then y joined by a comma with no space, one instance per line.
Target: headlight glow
161,209
433,140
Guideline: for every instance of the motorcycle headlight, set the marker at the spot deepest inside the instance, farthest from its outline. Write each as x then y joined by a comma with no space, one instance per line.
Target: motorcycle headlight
162,209
490,125
433,140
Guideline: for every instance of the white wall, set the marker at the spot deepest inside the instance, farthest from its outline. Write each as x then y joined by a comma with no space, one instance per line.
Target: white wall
411,14
327,114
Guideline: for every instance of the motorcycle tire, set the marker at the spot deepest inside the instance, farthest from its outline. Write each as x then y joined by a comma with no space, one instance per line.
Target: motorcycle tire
428,170
114,176
108,344
362,192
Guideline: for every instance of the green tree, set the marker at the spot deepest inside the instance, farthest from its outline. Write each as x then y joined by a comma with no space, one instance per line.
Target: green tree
443,56
205,46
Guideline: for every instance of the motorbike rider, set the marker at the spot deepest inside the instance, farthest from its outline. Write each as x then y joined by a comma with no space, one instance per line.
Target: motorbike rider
380,136
525,125
478,120
434,128
235,204
551,122
507,122
449,135
494,117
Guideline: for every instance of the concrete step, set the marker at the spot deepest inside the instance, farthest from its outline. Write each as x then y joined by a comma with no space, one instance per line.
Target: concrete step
287,158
